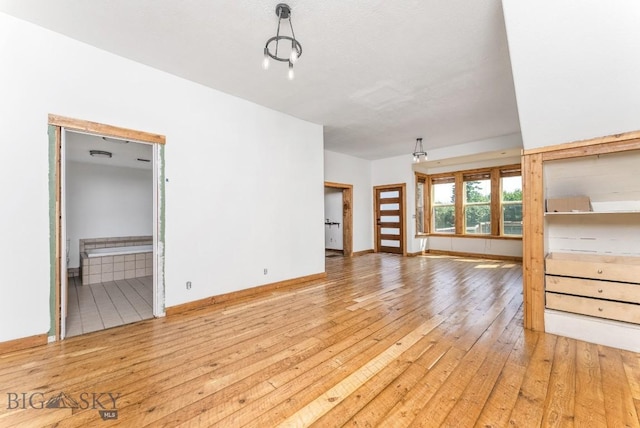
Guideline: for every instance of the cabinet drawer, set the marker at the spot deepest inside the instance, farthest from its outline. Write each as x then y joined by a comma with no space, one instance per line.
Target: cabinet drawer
593,288
594,266
627,312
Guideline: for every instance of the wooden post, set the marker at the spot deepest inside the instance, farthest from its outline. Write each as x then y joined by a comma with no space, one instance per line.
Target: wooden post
533,241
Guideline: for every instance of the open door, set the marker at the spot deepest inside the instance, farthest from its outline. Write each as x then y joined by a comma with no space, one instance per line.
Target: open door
347,216
389,218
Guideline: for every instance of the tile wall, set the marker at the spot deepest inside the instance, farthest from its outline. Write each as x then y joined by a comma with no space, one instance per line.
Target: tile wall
121,241
112,268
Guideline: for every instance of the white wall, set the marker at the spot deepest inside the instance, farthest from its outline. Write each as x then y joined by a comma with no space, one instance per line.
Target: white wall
345,169
227,161
575,68
333,233
106,201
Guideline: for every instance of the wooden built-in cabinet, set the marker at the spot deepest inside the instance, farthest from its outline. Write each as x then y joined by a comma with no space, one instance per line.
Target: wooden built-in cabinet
581,270
596,285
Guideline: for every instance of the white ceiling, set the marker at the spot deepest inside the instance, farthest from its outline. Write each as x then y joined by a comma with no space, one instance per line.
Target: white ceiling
377,74
124,153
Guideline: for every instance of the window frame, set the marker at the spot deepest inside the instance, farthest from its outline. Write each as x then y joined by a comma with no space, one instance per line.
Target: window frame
458,178
468,177
444,179
505,173
421,229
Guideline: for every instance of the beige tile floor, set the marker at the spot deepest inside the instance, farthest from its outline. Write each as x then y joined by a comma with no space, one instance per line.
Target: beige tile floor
108,304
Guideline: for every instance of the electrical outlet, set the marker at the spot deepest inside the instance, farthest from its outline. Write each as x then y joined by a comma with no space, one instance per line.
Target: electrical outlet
266,271
188,285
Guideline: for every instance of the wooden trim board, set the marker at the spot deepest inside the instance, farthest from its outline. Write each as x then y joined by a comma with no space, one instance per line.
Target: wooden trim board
617,142
475,236
347,215
418,253
105,130
533,241
247,292
473,255
363,252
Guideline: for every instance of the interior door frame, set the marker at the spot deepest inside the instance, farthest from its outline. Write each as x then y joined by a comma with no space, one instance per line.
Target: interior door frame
403,213
58,125
347,215
63,299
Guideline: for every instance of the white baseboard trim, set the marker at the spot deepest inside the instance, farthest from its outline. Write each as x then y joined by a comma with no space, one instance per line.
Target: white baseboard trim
595,330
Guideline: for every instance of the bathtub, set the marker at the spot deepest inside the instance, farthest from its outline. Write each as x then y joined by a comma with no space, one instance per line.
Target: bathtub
117,251
103,265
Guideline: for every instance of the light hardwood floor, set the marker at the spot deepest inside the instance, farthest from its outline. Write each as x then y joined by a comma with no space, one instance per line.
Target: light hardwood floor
382,341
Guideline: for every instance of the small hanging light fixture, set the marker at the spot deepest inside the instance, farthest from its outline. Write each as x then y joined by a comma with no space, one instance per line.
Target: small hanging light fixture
283,11
100,153
419,154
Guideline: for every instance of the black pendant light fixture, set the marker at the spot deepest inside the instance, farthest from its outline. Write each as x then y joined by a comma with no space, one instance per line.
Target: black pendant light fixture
283,48
419,155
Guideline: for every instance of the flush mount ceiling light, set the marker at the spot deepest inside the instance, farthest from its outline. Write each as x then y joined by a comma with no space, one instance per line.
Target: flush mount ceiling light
419,154
100,154
288,45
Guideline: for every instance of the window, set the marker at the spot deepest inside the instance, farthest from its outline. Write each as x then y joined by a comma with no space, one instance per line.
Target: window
481,202
444,209
420,204
477,203
511,202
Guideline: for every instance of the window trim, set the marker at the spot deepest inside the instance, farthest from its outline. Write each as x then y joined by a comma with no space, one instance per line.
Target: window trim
502,203
433,206
477,176
420,230
458,177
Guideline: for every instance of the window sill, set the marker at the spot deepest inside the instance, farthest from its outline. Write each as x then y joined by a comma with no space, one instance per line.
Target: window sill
452,235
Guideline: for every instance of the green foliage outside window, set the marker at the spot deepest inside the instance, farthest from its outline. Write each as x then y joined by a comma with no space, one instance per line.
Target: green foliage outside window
477,217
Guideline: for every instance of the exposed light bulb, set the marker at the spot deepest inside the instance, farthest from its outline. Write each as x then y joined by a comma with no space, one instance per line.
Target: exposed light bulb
294,53
265,61
290,75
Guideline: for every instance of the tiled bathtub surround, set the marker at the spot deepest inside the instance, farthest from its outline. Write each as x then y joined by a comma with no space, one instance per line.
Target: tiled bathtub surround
123,241
113,268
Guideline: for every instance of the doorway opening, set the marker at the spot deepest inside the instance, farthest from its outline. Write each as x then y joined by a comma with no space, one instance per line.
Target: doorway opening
108,252
338,218
389,211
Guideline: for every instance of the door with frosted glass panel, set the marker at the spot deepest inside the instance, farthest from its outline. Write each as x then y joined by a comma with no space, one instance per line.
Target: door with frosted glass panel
389,217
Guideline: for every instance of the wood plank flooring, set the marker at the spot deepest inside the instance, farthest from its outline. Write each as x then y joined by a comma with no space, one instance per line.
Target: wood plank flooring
382,341
109,304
